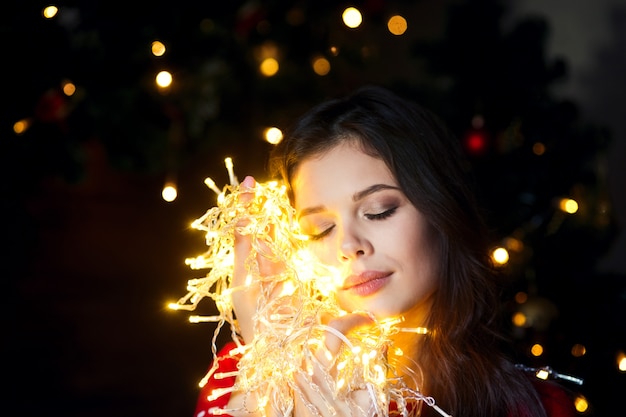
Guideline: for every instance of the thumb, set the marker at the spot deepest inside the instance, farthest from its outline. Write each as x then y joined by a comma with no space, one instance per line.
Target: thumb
345,324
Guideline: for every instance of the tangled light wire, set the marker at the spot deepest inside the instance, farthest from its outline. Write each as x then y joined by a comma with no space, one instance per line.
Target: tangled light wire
288,331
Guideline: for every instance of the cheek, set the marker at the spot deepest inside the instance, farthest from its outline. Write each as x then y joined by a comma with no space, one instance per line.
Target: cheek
324,252
414,243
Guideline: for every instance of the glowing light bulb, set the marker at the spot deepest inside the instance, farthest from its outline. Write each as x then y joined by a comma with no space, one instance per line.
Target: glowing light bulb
500,256
581,404
269,67
211,184
568,205
397,25
68,88
621,361
321,66
169,192
288,288
50,11
163,79
352,17
273,135
231,175
21,126
158,48
536,349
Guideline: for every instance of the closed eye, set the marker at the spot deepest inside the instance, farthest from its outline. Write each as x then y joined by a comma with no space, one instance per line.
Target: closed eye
322,234
381,216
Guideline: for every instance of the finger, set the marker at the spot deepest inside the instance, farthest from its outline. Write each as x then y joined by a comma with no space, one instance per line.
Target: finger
268,264
243,301
344,325
243,243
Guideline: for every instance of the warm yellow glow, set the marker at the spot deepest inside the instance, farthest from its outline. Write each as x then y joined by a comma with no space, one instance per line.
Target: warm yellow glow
273,135
539,148
169,192
352,17
621,362
536,349
157,48
164,79
334,50
341,383
50,11
542,373
581,404
288,328
211,184
578,350
68,88
288,289
269,67
321,66
21,126
500,256
228,161
568,205
397,25
249,279
519,319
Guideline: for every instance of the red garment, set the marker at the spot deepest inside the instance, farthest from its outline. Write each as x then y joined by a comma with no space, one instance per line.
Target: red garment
226,363
554,397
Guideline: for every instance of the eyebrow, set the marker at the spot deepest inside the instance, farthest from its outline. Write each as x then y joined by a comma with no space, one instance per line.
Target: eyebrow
359,195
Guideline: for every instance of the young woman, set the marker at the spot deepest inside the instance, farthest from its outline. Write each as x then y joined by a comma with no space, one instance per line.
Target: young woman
381,189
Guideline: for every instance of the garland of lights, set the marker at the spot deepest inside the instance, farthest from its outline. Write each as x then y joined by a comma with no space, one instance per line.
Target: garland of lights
288,332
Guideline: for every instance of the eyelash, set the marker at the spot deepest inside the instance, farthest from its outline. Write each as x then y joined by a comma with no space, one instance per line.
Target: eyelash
381,216
378,216
320,236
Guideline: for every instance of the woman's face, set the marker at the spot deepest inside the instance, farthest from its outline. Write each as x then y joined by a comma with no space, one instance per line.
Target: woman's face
359,220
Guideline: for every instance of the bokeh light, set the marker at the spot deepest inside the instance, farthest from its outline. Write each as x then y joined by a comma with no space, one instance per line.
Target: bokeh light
164,79
321,66
397,25
352,17
273,135
158,48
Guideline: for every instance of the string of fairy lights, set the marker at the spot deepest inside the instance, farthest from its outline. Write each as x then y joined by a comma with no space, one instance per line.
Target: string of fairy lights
289,336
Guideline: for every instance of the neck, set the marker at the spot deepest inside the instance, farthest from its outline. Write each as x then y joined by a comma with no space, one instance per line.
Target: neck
404,353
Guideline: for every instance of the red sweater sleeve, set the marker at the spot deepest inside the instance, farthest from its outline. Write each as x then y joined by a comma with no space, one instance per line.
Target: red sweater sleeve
226,363
556,400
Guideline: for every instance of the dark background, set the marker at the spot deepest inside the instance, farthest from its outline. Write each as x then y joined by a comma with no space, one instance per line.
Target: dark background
92,254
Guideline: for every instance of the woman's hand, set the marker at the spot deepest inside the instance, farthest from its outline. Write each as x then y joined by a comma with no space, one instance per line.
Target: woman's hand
321,394
246,296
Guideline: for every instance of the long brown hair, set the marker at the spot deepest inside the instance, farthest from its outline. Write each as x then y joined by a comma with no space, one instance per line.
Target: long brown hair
461,359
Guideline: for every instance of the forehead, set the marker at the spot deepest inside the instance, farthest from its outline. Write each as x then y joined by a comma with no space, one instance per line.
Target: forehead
338,173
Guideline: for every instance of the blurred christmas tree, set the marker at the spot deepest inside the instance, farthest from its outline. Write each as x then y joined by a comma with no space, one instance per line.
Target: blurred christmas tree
490,80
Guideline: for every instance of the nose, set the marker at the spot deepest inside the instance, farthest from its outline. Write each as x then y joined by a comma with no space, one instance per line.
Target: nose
353,245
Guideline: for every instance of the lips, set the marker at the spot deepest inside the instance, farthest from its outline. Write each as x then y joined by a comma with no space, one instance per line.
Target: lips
366,283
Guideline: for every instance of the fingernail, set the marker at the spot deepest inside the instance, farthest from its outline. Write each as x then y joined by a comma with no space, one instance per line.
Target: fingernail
248,182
